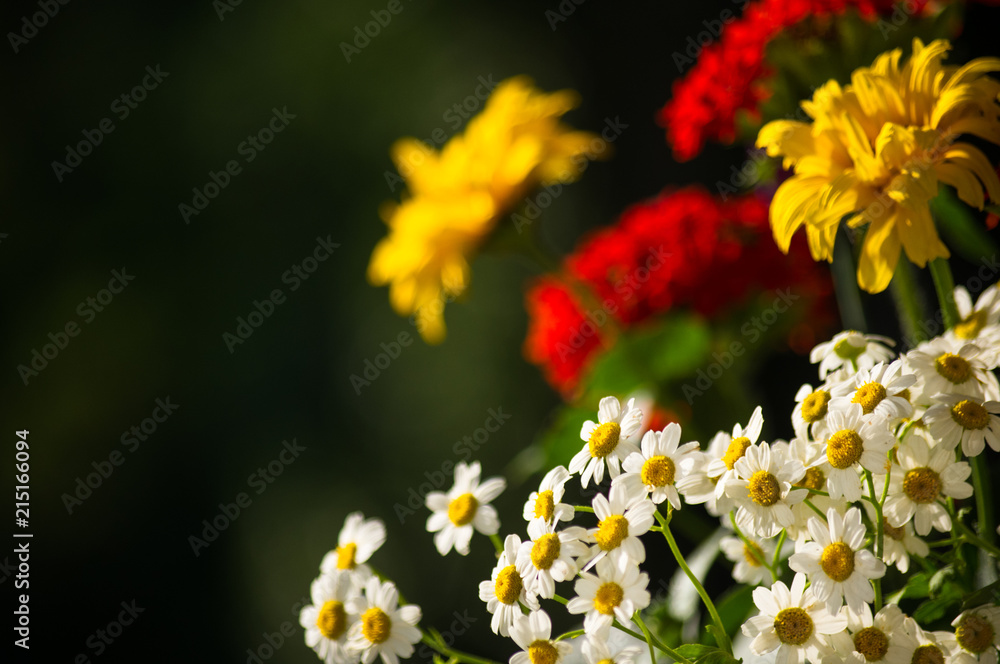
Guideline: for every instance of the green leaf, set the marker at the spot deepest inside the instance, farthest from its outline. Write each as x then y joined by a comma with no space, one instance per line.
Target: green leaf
935,609
735,606
694,650
940,577
917,587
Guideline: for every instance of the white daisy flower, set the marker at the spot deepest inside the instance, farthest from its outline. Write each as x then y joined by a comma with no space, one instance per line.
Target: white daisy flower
980,324
722,467
659,465
921,478
882,391
621,519
549,556
852,350
857,442
506,588
810,455
357,541
750,559
531,633
383,628
600,651
977,636
838,566
809,415
697,485
762,490
608,441
545,503
898,544
464,507
617,591
963,419
925,647
327,619
879,638
944,367
791,621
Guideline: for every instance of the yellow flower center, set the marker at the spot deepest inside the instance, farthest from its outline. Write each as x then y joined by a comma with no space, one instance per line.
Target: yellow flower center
955,368
462,510
376,625
332,619
542,652
869,395
974,633
904,393
508,585
658,471
970,415
814,479
604,439
971,325
345,556
927,655
764,488
545,551
753,554
844,448
608,597
837,561
545,505
872,643
845,350
814,406
922,485
892,531
735,451
606,661
793,626
611,532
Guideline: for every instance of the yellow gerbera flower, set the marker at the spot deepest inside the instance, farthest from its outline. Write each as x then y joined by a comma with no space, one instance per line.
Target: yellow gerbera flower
877,150
457,195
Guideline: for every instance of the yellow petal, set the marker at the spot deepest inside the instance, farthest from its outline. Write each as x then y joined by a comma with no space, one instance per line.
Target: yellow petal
964,182
879,255
971,158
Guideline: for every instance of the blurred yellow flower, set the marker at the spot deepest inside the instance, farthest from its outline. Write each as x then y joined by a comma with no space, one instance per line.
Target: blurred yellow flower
458,195
877,150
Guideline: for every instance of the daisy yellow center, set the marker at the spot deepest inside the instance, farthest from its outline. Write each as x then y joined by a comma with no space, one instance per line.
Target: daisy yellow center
872,643
922,485
332,619
904,393
814,479
869,396
604,439
658,471
954,368
793,626
974,633
376,625
345,556
837,561
608,597
845,350
927,654
814,406
545,505
606,661
764,488
753,554
542,652
970,415
508,585
736,450
844,448
462,510
892,531
545,551
971,325
611,532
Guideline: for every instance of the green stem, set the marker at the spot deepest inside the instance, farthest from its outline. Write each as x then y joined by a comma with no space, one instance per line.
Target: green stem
972,538
670,651
984,499
721,637
571,634
777,553
809,503
497,543
879,523
845,284
752,548
559,598
909,304
649,637
457,655
581,508
944,284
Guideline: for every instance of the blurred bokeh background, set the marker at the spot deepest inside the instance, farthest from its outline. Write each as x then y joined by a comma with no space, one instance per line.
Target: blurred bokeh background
225,68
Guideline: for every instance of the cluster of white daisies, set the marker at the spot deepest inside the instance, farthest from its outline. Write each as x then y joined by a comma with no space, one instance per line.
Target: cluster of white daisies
875,464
